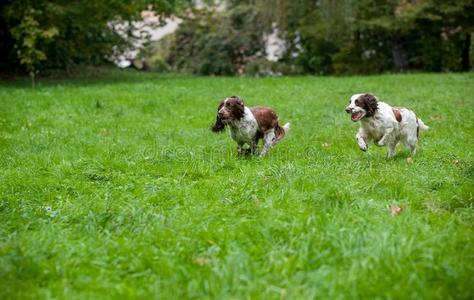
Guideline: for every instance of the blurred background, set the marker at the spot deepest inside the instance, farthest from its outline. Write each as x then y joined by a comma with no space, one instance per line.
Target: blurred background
229,37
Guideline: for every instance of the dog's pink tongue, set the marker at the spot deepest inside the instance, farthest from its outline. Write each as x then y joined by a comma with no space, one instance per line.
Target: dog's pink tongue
356,116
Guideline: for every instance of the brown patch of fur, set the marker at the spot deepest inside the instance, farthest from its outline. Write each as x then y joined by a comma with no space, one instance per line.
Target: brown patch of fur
369,103
397,113
235,105
266,118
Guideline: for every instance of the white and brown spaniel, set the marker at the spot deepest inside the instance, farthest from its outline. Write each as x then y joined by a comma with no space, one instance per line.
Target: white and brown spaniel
249,125
384,124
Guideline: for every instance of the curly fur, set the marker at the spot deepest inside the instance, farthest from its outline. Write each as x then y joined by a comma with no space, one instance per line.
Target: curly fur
369,103
236,105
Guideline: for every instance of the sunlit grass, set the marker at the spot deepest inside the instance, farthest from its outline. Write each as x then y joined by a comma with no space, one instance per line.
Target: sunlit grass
116,188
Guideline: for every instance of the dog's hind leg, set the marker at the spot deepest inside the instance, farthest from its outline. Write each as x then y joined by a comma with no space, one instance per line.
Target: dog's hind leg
267,141
412,150
410,140
411,143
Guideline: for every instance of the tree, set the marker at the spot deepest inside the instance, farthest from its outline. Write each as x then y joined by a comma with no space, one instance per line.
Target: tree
314,30
42,34
29,35
456,21
214,42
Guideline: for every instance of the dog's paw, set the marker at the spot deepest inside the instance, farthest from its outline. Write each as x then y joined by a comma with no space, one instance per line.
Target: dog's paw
381,143
362,145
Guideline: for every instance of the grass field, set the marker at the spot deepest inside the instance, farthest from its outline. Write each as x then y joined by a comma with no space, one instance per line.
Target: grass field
114,187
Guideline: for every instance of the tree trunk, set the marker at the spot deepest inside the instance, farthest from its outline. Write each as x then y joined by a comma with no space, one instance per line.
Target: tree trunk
399,54
32,75
466,51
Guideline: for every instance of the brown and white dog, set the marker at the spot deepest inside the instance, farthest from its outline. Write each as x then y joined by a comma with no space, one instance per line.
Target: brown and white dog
384,124
249,125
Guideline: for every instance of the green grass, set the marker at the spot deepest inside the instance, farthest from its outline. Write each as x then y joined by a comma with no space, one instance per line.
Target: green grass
114,187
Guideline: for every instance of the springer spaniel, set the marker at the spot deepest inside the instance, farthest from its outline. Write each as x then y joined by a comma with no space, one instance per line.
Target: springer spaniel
384,124
249,125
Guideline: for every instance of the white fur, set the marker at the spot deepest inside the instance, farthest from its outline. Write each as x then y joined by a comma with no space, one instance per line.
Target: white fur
384,130
244,131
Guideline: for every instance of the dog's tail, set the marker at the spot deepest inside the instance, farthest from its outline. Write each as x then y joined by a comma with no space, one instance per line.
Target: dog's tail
422,125
280,132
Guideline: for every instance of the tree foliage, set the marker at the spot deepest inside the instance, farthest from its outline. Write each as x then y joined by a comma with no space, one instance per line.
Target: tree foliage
213,42
29,35
337,36
321,37
39,34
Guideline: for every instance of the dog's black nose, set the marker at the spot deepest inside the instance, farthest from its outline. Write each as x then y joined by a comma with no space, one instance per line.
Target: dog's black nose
348,110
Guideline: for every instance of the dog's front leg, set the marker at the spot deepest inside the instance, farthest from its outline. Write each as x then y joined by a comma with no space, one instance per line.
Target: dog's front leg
386,137
362,140
254,146
240,149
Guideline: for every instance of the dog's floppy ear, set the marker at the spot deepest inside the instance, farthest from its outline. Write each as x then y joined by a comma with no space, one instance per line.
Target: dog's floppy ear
238,109
369,104
238,99
219,125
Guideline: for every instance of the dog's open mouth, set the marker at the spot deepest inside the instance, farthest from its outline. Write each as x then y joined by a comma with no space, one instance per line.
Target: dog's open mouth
357,116
224,119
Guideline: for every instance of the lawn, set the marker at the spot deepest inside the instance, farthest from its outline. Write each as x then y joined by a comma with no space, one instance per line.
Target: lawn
114,187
